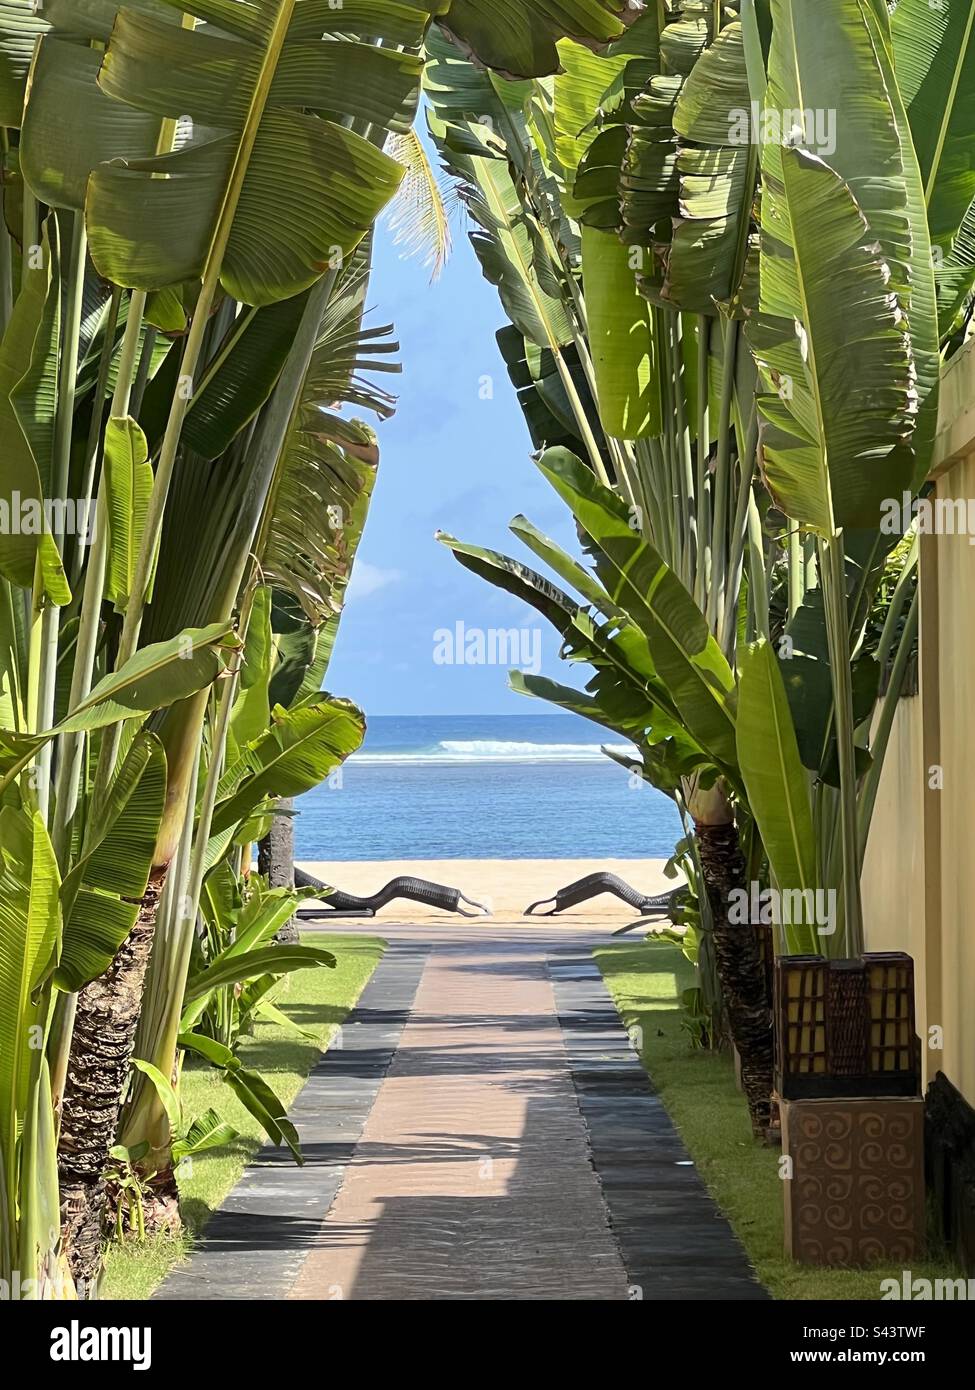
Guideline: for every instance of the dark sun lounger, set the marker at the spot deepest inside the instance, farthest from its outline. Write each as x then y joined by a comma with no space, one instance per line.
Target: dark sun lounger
653,906
414,890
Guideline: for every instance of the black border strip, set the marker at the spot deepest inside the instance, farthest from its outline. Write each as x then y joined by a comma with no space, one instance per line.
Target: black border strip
256,1243
674,1241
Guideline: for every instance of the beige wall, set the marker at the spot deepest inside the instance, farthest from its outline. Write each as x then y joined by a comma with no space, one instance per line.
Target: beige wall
893,870
956,727
919,872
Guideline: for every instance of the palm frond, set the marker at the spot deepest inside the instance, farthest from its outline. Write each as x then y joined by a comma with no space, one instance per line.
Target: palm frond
328,465
419,216
327,461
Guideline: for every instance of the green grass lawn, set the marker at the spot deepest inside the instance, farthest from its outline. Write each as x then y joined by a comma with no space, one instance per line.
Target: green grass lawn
699,1091
318,1001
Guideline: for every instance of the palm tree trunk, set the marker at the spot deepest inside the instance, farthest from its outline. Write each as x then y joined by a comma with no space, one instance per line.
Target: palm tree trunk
736,948
98,1065
107,1017
276,859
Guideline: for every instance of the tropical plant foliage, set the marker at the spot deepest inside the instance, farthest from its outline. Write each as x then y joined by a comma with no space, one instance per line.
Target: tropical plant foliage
727,320
183,273
713,238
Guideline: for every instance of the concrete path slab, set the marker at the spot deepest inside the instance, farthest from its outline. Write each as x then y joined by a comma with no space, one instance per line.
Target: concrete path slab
472,1178
484,1133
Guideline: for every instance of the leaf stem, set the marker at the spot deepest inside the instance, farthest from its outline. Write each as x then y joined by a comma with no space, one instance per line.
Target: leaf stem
833,573
188,367
50,616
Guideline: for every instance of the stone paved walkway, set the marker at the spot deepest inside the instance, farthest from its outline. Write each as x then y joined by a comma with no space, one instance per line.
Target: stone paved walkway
484,1132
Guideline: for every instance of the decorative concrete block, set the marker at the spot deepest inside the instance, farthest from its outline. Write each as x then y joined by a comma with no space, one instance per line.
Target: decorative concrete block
856,1191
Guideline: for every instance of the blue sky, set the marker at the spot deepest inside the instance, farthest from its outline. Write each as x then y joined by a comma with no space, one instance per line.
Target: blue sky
450,460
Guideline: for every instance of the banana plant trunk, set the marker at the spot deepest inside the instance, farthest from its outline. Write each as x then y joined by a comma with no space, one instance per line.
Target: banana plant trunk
98,1065
736,949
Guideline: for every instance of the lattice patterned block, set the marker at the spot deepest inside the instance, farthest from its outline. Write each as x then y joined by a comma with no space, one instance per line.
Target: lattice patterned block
845,1027
856,1194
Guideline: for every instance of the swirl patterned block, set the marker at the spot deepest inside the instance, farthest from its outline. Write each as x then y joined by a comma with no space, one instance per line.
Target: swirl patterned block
856,1191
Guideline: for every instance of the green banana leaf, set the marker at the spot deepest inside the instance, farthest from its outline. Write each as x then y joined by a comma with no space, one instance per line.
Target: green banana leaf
621,341
688,661
206,1132
301,748
626,682
458,89
509,246
250,965
328,463
683,40
165,1090
595,190
325,468
13,650
100,895
297,673
570,571
839,404
580,89
29,355
566,697
717,169
956,278
127,481
241,378
303,189
57,154
30,942
534,373
94,19
247,928
251,1090
808,678
21,24
817,50
261,1101
519,37
516,578
934,57
252,709
99,923
649,182
663,762
612,77
649,178
256,921
154,678
774,778
40,1207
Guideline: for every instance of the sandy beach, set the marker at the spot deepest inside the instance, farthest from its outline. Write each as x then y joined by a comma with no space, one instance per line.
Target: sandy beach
507,886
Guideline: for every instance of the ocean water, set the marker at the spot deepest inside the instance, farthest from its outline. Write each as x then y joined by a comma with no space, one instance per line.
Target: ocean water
484,787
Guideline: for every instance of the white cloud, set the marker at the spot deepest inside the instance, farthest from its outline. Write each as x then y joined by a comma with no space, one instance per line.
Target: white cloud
369,579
